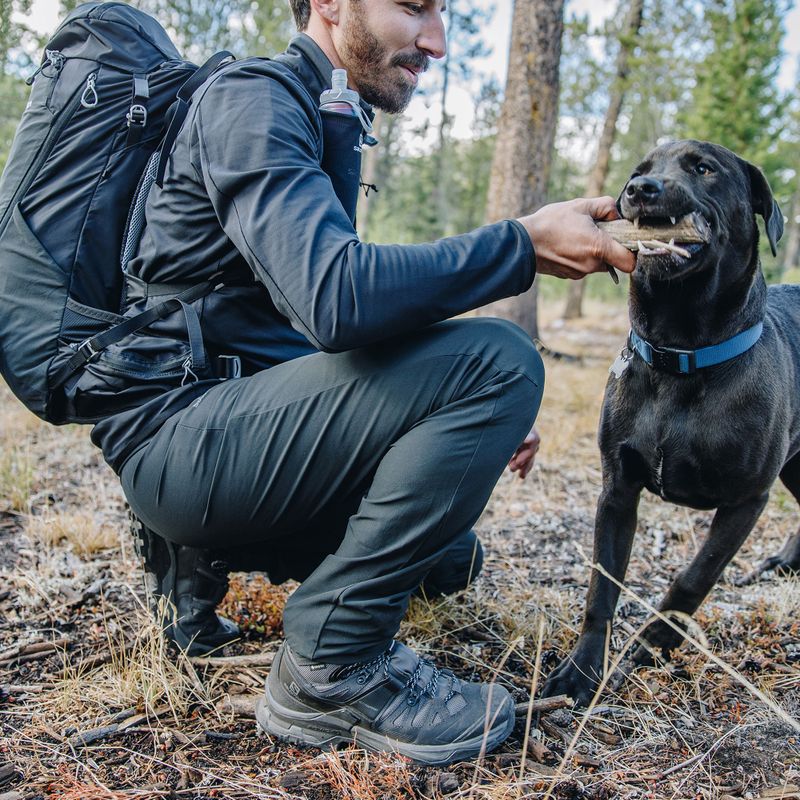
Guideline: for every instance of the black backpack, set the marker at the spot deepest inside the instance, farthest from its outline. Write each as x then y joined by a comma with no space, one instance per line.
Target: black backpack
106,104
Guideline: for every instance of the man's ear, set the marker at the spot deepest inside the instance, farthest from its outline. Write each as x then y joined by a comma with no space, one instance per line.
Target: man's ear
327,9
764,204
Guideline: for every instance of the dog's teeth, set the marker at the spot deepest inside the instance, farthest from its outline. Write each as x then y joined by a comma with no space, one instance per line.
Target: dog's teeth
636,222
672,220
672,242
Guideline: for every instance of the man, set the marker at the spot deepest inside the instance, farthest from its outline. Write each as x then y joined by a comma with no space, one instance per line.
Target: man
367,434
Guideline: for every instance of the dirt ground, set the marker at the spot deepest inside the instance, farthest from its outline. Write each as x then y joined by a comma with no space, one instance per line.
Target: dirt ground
93,706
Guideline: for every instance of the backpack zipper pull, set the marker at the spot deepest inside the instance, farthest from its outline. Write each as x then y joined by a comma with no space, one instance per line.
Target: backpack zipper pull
89,98
187,371
54,59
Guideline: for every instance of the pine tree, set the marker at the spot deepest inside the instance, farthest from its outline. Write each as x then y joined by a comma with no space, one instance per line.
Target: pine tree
736,101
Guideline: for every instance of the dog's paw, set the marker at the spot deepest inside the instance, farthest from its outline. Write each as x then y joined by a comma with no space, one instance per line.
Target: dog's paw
578,683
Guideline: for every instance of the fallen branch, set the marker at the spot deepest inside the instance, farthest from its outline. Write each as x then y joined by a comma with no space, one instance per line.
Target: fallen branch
544,704
19,688
85,738
240,705
130,722
32,651
230,662
8,773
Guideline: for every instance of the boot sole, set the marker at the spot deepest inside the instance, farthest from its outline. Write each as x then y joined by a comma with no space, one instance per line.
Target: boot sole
326,730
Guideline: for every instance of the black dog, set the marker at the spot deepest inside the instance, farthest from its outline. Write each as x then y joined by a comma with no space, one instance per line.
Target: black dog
703,406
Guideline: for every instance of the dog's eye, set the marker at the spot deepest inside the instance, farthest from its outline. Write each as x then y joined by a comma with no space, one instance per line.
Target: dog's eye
703,169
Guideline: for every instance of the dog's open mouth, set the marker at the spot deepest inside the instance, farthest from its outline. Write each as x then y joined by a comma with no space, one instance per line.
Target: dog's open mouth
675,240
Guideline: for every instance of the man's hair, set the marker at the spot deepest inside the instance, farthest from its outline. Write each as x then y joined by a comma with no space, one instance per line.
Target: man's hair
302,11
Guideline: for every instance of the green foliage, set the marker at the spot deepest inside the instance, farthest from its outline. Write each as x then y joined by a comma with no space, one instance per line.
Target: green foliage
199,28
662,72
13,96
736,101
404,210
17,41
245,27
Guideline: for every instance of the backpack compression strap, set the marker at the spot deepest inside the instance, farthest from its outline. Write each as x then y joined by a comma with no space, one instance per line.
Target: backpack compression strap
181,108
89,348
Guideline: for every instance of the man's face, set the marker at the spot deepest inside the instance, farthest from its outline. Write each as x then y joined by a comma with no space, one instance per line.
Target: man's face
385,44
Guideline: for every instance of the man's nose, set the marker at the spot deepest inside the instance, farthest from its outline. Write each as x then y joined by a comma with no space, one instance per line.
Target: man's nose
432,38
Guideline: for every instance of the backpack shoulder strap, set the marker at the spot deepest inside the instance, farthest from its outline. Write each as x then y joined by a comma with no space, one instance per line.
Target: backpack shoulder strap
181,108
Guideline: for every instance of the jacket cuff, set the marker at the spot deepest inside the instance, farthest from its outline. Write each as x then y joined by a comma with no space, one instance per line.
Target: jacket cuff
531,251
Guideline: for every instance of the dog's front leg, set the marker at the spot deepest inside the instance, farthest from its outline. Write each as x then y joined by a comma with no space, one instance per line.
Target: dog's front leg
729,529
579,675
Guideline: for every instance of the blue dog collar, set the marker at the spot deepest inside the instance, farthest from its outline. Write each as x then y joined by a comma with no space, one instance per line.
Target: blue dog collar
684,362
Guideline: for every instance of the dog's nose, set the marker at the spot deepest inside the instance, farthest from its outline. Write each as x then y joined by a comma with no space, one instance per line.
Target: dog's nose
643,189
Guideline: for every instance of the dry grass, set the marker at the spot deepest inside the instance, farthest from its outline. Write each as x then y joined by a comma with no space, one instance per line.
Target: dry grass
84,531
16,477
694,729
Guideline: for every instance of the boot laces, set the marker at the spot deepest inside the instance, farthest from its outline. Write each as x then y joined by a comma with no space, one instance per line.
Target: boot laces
366,670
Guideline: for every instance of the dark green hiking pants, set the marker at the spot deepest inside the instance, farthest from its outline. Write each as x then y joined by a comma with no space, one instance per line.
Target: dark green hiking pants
412,433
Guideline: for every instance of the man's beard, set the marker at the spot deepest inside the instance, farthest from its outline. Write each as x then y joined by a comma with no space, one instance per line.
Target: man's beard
379,81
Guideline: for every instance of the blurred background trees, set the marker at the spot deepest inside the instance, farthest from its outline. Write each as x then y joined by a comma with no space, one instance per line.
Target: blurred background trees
586,96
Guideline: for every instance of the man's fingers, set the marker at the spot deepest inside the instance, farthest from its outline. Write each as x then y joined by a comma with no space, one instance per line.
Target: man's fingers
610,251
599,207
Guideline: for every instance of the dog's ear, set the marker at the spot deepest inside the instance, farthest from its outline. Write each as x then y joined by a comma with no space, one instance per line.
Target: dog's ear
764,204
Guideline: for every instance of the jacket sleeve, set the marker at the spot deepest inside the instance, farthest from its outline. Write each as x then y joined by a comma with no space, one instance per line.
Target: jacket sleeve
256,146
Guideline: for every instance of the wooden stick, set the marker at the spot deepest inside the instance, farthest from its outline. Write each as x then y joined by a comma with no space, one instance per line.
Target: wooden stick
691,229
85,738
8,772
241,705
544,704
15,653
230,662
21,688
33,652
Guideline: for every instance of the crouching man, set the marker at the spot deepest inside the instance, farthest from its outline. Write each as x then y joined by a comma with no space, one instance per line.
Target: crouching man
366,432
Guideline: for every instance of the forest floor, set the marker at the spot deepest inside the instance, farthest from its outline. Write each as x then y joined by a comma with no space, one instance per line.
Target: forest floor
93,706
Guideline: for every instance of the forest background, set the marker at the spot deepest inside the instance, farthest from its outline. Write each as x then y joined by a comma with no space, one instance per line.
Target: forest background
585,97
620,80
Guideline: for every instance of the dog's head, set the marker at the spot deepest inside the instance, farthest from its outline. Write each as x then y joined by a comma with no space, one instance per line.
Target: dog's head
689,176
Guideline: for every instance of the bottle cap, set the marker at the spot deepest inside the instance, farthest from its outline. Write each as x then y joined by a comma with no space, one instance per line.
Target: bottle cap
339,93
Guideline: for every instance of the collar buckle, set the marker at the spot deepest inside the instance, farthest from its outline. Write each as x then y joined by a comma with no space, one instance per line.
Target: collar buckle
680,362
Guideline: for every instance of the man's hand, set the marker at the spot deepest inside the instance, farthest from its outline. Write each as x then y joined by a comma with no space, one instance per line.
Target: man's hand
525,454
569,245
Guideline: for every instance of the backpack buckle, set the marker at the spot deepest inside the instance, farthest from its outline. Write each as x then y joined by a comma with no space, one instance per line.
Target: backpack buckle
229,367
137,115
87,350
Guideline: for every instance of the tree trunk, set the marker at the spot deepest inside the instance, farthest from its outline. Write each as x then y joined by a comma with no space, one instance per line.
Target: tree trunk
526,131
791,252
441,170
599,173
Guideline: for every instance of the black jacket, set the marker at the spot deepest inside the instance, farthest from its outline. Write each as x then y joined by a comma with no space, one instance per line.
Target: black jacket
246,194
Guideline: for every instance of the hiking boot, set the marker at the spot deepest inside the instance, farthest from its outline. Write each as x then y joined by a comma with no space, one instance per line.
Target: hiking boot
396,702
184,585
459,566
